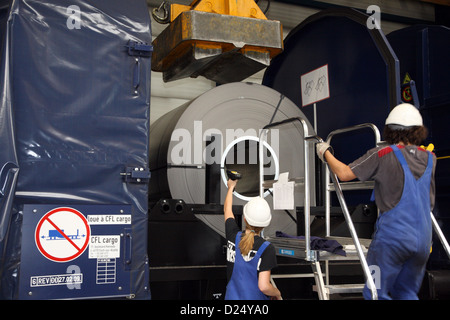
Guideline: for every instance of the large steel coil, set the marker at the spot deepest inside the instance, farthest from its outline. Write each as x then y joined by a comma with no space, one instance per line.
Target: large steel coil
234,113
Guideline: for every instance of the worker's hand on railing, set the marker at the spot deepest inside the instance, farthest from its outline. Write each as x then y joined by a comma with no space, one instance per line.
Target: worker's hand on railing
321,148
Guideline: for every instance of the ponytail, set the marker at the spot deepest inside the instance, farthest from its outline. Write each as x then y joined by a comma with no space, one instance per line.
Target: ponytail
248,239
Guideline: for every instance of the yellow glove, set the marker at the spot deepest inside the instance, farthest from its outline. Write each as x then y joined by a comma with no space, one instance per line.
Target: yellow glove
429,148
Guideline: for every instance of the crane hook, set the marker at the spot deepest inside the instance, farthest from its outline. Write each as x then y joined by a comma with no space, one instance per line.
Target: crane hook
165,8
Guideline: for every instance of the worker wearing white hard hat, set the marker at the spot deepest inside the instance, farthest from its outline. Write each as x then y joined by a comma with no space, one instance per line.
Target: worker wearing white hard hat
257,212
250,258
404,192
404,116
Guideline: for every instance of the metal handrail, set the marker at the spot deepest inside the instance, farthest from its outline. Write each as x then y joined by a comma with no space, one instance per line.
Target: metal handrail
340,195
440,234
327,171
306,203
357,127
307,138
351,227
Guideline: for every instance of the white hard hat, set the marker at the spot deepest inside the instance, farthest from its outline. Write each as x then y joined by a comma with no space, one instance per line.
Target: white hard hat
405,115
257,212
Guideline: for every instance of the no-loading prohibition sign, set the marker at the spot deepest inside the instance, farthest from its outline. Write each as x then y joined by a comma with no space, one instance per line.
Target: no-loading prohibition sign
62,234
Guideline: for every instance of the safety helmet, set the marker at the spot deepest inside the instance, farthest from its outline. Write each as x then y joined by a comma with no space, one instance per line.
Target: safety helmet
404,115
257,212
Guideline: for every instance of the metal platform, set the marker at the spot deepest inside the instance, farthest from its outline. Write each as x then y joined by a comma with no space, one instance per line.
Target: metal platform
296,248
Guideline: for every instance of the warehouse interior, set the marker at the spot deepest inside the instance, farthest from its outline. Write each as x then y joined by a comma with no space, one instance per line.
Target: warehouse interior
394,15
119,120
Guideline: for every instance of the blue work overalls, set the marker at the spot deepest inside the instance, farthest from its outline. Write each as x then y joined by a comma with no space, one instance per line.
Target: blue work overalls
401,244
243,284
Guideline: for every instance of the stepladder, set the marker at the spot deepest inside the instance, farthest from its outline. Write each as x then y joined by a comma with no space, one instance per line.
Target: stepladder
338,187
301,249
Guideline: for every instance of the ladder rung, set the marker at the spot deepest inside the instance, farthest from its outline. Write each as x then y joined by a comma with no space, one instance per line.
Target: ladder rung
355,185
345,288
297,182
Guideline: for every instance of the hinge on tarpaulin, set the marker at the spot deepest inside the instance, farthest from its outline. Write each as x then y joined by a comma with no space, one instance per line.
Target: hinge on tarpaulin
140,49
136,174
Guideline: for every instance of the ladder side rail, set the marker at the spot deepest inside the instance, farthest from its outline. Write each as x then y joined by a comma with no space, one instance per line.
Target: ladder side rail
306,138
369,280
322,291
440,234
327,202
340,195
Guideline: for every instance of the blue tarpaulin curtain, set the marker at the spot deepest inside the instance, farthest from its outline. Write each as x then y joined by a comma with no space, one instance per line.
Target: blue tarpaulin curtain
72,117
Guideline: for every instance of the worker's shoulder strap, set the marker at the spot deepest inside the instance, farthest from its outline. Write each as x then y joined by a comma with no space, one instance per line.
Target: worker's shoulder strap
401,158
262,248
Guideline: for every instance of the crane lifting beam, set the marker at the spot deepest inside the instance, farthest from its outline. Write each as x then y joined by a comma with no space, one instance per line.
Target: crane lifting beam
222,40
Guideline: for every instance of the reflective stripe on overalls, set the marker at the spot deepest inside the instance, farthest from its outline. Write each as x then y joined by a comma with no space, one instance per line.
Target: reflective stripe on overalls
401,244
243,284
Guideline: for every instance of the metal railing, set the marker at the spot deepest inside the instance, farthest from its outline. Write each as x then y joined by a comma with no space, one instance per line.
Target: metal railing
440,234
311,254
307,138
353,186
338,189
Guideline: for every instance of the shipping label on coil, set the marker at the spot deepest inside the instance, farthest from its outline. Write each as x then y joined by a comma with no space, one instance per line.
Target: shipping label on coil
315,86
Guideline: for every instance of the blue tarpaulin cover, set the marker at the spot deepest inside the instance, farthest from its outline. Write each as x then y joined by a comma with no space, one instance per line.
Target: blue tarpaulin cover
74,117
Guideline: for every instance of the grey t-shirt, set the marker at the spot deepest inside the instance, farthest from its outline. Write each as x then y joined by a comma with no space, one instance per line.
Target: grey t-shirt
381,165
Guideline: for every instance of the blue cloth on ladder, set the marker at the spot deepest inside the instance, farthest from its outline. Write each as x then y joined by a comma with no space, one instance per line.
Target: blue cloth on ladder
318,243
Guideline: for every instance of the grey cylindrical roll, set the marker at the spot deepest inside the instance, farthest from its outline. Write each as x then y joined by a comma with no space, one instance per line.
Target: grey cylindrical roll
235,112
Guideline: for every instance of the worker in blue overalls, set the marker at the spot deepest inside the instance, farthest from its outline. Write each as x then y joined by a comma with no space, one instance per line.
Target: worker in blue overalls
404,193
250,258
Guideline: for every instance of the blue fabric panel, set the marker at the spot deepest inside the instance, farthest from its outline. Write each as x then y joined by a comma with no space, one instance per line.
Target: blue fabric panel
75,116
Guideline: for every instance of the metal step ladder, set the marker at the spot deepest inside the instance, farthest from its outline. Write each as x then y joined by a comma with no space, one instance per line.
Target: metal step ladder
358,185
323,288
302,250
338,188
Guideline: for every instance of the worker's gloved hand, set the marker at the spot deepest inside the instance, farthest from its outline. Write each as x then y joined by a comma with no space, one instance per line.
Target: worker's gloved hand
321,147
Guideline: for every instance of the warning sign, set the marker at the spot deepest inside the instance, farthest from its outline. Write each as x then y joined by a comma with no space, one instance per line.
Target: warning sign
406,89
315,86
62,234
407,78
